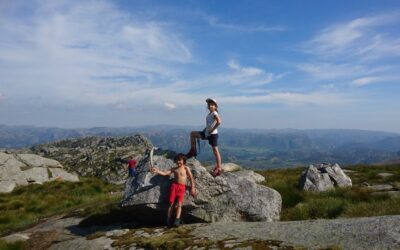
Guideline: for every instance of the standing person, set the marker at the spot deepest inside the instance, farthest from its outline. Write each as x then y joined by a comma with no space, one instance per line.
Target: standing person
210,133
131,166
178,187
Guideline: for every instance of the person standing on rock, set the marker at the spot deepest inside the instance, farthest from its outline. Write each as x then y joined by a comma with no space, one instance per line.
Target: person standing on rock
210,133
178,187
131,166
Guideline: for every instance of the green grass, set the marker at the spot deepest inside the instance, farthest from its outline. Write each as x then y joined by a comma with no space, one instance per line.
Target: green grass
356,201
27,205
19,245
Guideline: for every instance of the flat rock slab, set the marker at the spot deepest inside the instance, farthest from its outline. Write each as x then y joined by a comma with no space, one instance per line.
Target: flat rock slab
357,233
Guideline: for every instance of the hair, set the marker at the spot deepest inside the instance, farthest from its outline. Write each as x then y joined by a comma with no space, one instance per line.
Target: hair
216,106
180,157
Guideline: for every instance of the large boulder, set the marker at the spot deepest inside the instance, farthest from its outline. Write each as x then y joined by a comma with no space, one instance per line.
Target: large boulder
323,177
226,198
23,169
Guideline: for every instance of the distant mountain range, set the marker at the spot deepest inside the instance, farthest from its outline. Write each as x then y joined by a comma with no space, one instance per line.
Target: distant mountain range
252,148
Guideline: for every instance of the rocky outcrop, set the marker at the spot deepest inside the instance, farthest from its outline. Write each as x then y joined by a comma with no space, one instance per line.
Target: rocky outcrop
229,197
102,157
23,169
323,177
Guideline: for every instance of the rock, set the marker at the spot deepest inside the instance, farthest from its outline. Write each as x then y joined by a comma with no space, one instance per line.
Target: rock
227,167
250,175
62,175
23,169
229,197
383,187
116,232
323,177
16,237
33,160
348,171
384,175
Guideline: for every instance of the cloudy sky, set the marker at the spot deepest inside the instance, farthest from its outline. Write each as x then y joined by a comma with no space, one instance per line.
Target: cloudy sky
269,64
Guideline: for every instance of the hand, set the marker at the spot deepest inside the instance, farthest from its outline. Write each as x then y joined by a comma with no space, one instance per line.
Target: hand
193,192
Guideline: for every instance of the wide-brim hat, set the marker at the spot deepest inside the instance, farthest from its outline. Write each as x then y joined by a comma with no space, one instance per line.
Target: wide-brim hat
212,100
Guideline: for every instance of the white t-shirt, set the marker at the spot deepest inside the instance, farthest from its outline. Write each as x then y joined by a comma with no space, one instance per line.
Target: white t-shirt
210,120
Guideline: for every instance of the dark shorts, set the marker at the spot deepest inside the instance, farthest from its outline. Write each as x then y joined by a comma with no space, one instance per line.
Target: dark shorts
131,172
212,139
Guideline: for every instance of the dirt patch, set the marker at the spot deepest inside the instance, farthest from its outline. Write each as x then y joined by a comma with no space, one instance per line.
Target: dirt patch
42,240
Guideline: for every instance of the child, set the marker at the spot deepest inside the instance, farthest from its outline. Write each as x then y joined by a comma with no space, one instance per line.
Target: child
178,187
131,166
210,133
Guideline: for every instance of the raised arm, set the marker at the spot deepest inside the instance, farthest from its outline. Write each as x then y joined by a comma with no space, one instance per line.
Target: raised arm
160,172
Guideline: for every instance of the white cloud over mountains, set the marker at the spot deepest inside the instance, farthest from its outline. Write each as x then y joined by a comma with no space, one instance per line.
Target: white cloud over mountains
359,52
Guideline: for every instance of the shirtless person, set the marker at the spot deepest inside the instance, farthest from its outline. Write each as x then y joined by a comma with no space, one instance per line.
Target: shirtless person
178,187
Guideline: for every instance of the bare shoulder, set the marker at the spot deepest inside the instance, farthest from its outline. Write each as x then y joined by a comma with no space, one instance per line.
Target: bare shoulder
188,169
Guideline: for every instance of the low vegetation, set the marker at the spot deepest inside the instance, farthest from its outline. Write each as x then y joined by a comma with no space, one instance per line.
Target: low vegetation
27,205
356,201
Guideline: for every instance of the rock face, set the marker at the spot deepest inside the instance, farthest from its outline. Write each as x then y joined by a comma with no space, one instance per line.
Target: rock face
23,169
101,157
323,177
226,198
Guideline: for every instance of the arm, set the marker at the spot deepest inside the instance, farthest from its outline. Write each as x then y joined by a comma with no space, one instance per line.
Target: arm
216,123
160,172
192,184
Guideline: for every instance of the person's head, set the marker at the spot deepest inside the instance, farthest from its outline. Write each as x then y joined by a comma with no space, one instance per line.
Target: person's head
212,105
180,160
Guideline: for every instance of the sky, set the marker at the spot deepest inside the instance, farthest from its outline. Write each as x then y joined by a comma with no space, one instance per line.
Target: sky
269,64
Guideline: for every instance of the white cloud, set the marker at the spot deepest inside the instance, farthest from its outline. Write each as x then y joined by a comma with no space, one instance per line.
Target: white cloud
214,22
359,37
88,53
353,51
332,71
248,76
365,80
290,98
169,106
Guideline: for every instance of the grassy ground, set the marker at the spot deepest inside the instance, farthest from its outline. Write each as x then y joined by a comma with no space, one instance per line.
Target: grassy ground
356,201
27,205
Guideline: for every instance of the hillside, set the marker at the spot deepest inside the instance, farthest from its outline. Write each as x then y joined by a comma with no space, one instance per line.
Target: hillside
258,149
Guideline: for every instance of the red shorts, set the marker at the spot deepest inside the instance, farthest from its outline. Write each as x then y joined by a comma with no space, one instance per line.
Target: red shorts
177,190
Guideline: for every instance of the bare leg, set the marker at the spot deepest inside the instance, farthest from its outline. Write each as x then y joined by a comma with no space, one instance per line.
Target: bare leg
193,136
217,157
178,210
170,213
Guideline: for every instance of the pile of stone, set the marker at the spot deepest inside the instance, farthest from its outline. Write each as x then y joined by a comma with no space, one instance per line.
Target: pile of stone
323,177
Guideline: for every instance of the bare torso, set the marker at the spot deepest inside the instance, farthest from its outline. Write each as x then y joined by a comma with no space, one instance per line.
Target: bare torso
180,174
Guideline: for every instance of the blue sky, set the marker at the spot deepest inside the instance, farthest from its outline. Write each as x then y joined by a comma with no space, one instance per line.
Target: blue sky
269,64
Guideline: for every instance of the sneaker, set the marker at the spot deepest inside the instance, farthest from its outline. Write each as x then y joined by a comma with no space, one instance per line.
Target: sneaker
169,224
192,153
177,222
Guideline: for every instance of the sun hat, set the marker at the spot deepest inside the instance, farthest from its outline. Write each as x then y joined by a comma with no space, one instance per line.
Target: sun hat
212,100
